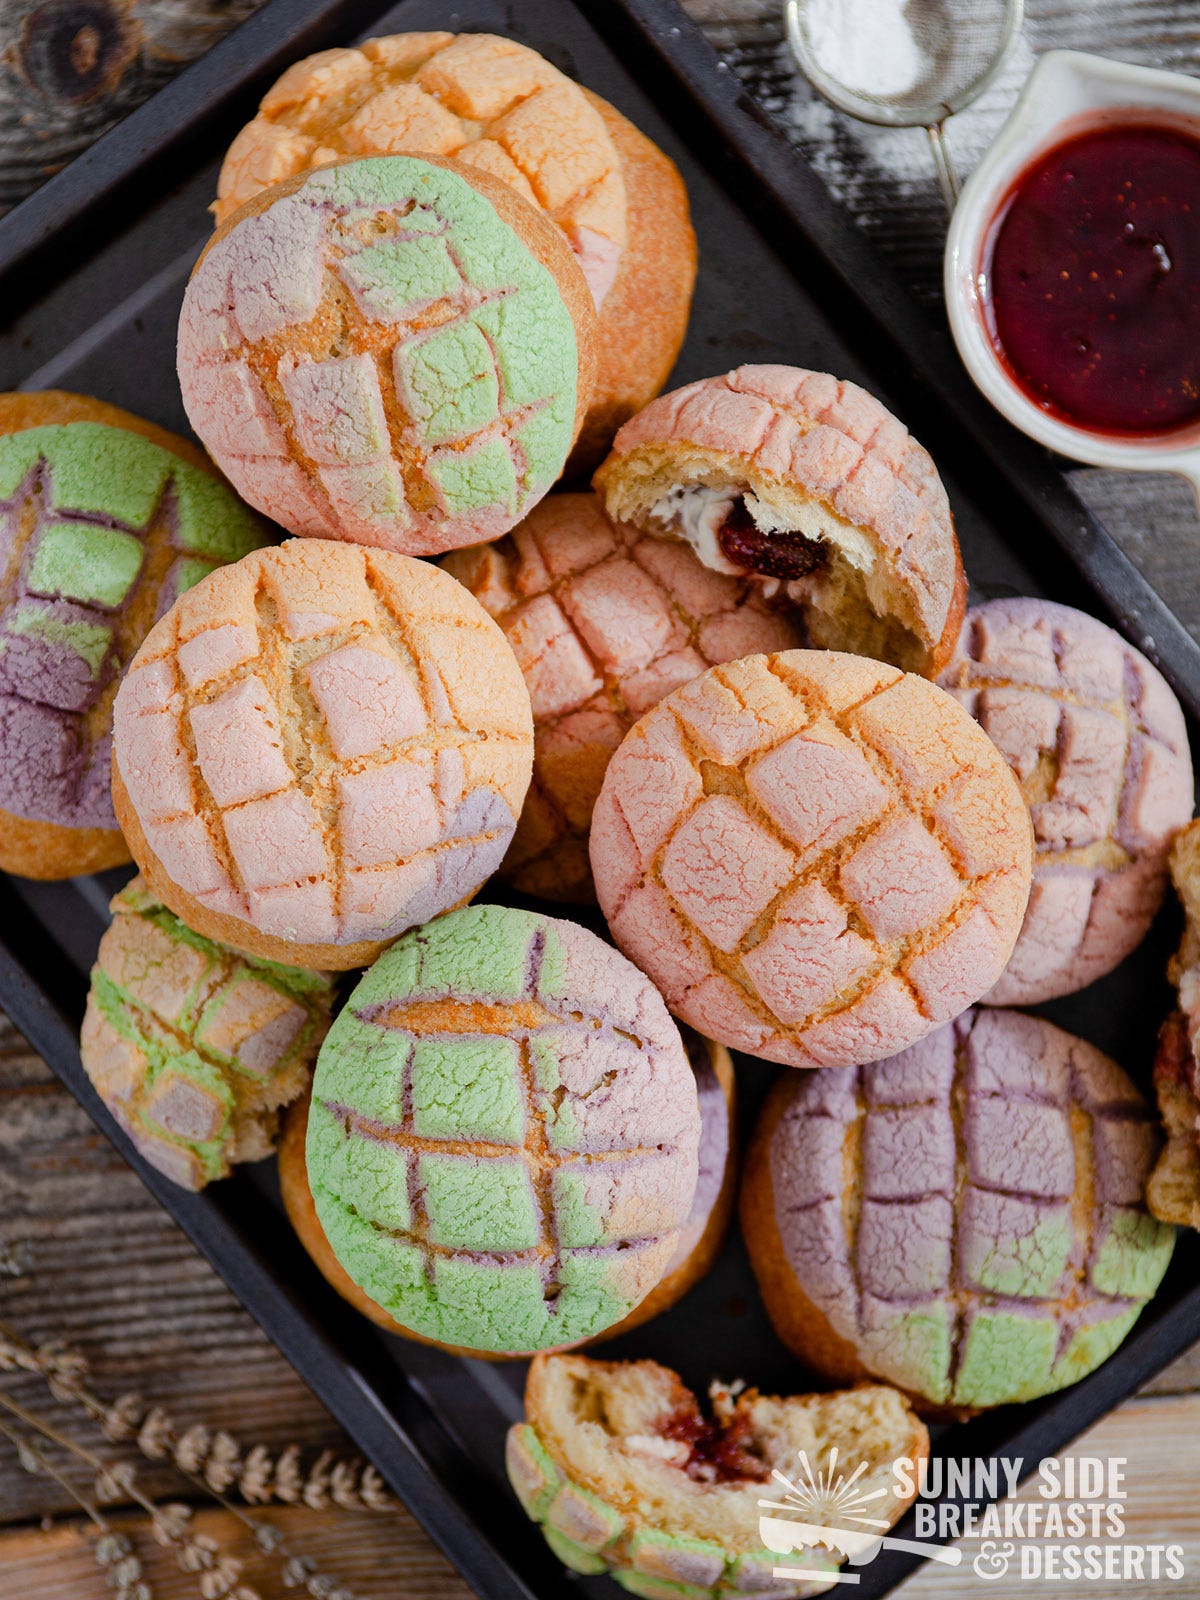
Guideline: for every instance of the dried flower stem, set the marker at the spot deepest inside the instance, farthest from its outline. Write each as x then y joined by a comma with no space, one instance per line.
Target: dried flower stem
63,1369
113,1552
34,1460
214,1457
194,1552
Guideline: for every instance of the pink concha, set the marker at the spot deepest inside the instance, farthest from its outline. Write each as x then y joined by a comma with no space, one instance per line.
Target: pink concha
604,622
817,858
329,744
1098,743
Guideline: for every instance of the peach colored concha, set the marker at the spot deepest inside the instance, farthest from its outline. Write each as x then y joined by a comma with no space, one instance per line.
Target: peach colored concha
1099,745
604,622
1173,1190
319,747
816,858
393,351
489,102
496,106
813,487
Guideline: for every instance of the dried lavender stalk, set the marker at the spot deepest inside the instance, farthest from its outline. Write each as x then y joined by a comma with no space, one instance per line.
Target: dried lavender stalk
213,1456
113,1552
63,1371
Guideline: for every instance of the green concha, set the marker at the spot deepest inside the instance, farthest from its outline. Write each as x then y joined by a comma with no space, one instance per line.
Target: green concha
502,1143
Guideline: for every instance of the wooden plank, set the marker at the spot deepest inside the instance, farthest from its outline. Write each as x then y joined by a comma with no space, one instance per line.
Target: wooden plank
1157,1437
68,73
87,1255
378,1558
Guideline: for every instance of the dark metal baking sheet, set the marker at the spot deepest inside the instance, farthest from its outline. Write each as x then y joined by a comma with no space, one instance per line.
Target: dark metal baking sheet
783,277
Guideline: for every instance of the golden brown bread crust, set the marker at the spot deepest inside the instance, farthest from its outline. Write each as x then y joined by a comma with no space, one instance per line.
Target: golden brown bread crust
542,238
47,850
801,1325
941,653
699,1261
645,314
1173,1190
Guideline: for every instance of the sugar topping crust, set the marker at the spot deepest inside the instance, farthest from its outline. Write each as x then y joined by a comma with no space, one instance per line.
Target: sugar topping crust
503,1138
969,1213
328,743
816,857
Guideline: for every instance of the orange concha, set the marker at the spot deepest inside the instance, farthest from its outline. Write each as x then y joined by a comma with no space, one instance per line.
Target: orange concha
489,102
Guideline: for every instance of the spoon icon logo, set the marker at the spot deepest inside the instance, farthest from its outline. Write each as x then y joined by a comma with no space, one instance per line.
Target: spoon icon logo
829,1520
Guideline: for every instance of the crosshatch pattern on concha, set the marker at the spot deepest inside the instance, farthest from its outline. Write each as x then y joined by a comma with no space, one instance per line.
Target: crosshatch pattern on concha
324,743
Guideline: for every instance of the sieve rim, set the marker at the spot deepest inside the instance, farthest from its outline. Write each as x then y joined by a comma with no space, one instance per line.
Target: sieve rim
883,111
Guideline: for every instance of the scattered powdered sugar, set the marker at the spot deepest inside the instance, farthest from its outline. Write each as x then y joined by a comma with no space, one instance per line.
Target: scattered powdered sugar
866,45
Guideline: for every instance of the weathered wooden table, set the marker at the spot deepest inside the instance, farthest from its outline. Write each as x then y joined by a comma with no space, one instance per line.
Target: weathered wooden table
87,1256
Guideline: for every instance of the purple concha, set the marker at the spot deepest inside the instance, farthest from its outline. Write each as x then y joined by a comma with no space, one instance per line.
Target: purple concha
968,1215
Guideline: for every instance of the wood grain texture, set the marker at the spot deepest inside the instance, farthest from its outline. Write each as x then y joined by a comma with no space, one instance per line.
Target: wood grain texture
87,1255
386,1558
70,69
1157,1438
390,1557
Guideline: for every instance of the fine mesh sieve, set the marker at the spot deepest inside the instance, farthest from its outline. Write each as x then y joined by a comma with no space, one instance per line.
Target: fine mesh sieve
903,63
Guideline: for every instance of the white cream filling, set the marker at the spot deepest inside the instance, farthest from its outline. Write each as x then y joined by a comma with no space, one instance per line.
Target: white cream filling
696,512
1189,989
652,1448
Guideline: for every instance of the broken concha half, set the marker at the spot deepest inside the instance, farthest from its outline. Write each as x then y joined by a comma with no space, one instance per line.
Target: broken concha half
812,485
1173,1190
625,1474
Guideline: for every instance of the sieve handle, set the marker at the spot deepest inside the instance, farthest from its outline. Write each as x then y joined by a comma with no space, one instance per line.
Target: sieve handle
941,160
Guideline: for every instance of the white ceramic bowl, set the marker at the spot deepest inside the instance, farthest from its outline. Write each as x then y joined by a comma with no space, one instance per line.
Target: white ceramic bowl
1067,92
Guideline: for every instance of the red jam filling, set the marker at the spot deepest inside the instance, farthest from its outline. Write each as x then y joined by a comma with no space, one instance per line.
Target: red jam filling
1173,1061
715,1453
771,555
1093,279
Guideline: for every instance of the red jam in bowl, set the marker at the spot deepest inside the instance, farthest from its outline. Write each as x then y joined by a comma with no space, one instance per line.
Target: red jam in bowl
1092,279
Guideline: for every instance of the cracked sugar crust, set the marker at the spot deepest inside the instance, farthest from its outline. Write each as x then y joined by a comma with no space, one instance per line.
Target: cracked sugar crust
1173,1192
604,623
700,1237
966,1216
503,1138
391,351
193,1047
817,858
319,748
1098,743
489,102
100,529
823,455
